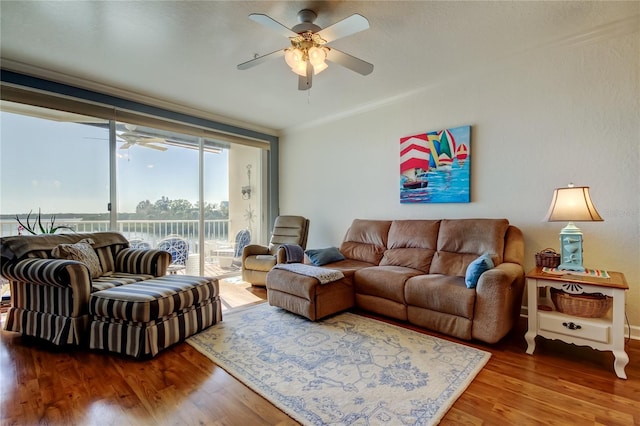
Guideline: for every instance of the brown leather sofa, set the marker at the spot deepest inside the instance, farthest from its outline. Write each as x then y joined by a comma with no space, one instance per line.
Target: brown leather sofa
414,270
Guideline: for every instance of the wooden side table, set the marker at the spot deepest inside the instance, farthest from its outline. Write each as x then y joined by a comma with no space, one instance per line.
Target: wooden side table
604,334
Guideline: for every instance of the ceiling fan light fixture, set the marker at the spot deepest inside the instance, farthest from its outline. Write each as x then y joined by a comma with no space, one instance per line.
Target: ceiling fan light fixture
294,57
317,55
297,57
307,54
300,69
317,69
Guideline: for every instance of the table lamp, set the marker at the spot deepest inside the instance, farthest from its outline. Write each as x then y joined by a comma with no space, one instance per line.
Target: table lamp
572,204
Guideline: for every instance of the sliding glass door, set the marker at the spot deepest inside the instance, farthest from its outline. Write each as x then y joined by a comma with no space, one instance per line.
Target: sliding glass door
167,182
55,163
159,184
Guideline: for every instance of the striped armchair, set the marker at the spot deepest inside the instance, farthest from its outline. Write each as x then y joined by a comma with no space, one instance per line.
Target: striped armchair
50,296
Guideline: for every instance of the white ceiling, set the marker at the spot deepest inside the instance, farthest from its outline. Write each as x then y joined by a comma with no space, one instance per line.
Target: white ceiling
186,52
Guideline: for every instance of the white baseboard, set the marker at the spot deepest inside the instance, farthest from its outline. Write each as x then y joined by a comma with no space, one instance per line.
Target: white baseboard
635,331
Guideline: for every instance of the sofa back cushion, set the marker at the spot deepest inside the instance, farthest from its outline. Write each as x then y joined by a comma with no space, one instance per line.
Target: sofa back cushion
461,241
514,246
289,230
366,240
106,245
412,243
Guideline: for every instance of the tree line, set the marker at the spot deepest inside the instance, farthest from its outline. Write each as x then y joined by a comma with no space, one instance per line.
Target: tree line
165,208
162,209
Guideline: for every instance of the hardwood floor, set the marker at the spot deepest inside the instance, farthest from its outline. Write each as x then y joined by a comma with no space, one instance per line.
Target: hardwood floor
560,384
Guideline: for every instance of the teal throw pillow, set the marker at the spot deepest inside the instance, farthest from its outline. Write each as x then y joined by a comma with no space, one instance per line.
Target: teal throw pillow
476,268
321,257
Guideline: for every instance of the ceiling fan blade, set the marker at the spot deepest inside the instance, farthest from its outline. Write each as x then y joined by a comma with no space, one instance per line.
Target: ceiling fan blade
350,62
350,25
271,23
159,148
145,140
125,135
260,59
304,81
127,145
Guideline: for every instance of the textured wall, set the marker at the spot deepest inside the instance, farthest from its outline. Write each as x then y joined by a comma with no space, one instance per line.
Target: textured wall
566,112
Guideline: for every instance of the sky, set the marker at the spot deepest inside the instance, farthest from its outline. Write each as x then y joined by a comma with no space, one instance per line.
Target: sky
63,167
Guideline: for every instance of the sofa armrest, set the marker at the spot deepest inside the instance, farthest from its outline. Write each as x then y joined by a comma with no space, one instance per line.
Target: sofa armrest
54,272
498,301
70,277
254,250
143,261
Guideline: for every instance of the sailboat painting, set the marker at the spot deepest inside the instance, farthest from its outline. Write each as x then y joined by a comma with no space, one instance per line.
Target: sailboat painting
435,166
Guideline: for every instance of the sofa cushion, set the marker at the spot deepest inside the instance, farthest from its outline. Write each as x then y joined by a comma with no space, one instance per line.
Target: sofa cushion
476,268
117,279
152,299
348,265
386,282
366,240
411,243
39,254
107,257
461,241
82,252
441,293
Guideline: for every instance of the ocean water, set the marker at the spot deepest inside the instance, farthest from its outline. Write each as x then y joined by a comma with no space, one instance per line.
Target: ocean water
448,185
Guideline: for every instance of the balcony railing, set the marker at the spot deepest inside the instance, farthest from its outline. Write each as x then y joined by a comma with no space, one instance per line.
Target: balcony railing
151,231
218,248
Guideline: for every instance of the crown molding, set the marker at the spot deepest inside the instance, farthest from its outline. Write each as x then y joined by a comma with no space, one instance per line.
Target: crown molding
58,77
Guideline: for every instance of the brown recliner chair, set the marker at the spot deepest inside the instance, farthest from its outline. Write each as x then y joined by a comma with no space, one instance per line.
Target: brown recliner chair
257,259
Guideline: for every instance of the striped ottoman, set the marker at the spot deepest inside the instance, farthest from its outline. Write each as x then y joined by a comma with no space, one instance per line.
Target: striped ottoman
143,318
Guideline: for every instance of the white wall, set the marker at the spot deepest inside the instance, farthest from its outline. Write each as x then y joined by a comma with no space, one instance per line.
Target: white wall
245,213
539,121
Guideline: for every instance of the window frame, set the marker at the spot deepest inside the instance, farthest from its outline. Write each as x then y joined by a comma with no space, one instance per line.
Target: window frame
27,89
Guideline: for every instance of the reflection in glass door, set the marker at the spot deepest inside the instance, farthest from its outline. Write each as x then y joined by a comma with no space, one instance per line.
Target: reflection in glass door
242,209
161,197
157,192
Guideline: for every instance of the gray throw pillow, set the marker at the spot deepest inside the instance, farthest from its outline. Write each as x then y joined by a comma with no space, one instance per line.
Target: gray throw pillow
321,257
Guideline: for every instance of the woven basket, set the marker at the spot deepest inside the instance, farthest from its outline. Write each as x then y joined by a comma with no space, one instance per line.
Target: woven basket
581,305
548,257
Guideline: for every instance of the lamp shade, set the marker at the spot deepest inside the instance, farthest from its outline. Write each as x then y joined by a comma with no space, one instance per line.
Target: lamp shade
317,55
572,204
293,58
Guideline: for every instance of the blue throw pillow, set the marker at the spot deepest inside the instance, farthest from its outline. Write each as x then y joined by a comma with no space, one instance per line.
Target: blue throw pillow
321,257
476,268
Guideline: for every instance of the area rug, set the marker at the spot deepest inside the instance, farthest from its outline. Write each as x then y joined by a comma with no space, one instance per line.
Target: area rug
344,370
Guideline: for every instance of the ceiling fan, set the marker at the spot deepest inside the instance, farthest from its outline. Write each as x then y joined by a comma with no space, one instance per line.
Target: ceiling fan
309,49
132,138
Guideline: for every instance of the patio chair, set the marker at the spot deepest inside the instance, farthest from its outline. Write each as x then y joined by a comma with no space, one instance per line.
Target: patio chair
243,239
178,247
229,254
137,243
257,260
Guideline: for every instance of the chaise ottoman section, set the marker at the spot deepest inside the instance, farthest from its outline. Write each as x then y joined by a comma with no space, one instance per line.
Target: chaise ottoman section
143,318
304,295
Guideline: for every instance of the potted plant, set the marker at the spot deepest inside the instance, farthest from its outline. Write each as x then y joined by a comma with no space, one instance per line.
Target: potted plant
37,225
